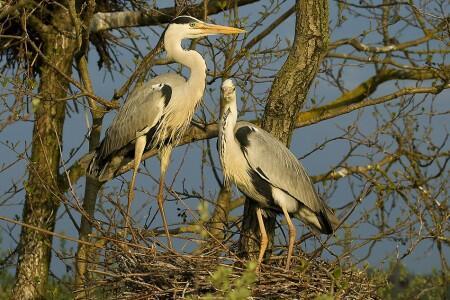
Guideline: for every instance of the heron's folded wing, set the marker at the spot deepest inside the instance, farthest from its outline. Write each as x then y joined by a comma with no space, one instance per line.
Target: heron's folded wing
274,162
141,111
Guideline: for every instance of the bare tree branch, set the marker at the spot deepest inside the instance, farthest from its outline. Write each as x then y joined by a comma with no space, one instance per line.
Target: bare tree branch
358,45
114,20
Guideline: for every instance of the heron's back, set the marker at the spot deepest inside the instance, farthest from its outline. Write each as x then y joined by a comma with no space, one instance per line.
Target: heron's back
281,179
140,114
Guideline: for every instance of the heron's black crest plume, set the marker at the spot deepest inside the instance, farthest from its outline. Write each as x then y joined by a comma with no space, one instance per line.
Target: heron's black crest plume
180,20
184,20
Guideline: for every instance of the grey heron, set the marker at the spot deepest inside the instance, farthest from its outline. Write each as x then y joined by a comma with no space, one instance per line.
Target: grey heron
157,113
267,172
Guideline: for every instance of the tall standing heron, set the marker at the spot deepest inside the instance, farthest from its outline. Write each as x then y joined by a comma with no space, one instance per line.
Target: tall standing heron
267,172
157,113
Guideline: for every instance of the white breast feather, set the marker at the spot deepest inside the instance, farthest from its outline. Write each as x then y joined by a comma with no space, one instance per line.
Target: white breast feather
176,118
235,167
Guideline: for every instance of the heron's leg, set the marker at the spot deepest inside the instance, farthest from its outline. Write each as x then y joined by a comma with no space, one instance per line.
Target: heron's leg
138,151
292,235
164,154
264,239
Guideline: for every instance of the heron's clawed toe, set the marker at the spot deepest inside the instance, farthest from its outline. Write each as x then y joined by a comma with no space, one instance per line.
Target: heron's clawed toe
258,269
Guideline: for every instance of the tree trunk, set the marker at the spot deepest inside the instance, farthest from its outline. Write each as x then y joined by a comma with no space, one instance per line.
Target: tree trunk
84,253
91,190
41,200
286,98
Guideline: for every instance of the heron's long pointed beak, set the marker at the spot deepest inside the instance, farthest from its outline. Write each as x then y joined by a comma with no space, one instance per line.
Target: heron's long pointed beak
218,29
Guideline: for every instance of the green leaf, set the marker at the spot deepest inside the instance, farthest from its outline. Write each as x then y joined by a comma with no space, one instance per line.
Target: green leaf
35,102
337,273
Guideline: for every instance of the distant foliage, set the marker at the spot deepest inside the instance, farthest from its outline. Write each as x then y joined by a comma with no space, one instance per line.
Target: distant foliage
56,289
6,284
398,283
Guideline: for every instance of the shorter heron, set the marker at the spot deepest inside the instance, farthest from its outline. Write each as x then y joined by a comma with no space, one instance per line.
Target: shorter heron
267,172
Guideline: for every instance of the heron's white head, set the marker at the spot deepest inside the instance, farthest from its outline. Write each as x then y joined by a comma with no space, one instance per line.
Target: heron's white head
187,27
228,91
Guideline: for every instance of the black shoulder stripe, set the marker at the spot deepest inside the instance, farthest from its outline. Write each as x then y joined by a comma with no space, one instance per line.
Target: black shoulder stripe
242,136
261,186
166,90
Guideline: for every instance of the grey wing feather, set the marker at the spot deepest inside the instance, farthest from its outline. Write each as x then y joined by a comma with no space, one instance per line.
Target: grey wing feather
274,162
142,110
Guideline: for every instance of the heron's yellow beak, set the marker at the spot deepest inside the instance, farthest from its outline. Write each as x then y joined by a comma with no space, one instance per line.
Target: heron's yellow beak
218,29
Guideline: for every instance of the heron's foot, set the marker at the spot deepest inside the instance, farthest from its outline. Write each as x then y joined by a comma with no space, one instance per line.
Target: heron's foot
258,269
169,240
163,217
127,215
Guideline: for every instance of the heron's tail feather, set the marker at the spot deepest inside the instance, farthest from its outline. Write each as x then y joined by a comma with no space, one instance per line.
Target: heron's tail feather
332,219
323,221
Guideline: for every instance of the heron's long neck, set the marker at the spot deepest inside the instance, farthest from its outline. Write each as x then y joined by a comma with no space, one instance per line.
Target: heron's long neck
228,121
191,59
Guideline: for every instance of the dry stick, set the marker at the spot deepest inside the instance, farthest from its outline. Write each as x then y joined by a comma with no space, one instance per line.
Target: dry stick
62,236
145,65
65,237
244,50
104,102
17,12
356,44
366,190
203,226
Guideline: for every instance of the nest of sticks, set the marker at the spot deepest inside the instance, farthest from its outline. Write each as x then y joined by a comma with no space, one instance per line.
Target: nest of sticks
151,273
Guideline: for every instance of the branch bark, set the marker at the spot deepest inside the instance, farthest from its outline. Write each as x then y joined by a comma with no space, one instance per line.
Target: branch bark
115,20
337,109
358,45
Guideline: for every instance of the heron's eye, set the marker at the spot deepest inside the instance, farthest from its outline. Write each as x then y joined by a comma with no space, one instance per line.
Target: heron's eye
192,24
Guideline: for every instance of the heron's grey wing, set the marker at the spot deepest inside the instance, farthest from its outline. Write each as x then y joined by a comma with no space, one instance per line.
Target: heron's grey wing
138,115
275,163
